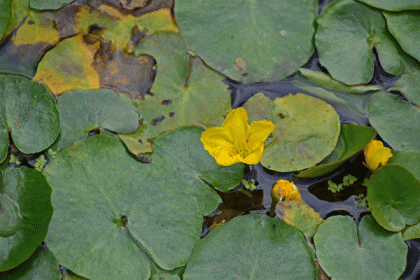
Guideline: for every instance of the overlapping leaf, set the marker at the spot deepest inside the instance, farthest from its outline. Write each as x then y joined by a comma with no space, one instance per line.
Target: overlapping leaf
29,113
249,41
306,131
347,33
26,213
407,84
392,5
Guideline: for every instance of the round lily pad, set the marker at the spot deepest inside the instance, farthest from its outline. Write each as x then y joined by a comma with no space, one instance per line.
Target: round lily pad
114,206
368,252
25,214
396,120
41,265
252,247
405,28
249,41
409,160
84,110
392,5
306,131
347,33
394,197
27,109
353,138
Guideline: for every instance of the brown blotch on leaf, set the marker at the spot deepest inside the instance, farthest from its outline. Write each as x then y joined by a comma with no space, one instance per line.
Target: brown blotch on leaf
171,114
16,126
282,115
149,140
143,158
166,102
157,121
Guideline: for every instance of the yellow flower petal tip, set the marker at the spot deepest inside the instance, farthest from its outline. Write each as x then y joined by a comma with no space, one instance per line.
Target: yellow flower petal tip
375,154
236,140
284,190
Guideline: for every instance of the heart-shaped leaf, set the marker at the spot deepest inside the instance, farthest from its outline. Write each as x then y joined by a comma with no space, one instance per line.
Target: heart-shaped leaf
114,205
249,41
307,130
25,213
352,139
84,110
41,265
394,196
179,97
252,247
26,109
396,120
347,33
347,252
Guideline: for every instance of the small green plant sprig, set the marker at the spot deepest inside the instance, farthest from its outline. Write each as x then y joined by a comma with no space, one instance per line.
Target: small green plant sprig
364,202
14,159
250,185
347,181
51,153
40,162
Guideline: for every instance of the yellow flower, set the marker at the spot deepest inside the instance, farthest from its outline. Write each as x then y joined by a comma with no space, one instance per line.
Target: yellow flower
236,141
376,153
285,190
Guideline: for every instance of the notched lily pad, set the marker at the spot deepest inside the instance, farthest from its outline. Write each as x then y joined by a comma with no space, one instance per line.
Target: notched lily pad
353,138
25,214
347,33
407,84
307,130
84,110
252,247
26,109
178,97
41,265
394,196
128,205
347,252
249,41
396,120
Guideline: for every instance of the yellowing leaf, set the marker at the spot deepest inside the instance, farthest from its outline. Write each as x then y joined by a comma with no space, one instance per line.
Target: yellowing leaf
68,66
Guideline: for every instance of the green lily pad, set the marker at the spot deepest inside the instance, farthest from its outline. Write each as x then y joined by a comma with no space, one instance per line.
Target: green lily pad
409,160
306,131
41,265
300,215
347,33
27,109
252,247
353,138
48,4
84,110
108,186
396,120
25,214
249,41
392,5
407,84
347,252
394,197
404,26
179,97
182,148
5,13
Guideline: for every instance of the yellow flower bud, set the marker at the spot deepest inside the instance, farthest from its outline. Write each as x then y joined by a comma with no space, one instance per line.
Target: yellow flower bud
375,154
285,190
